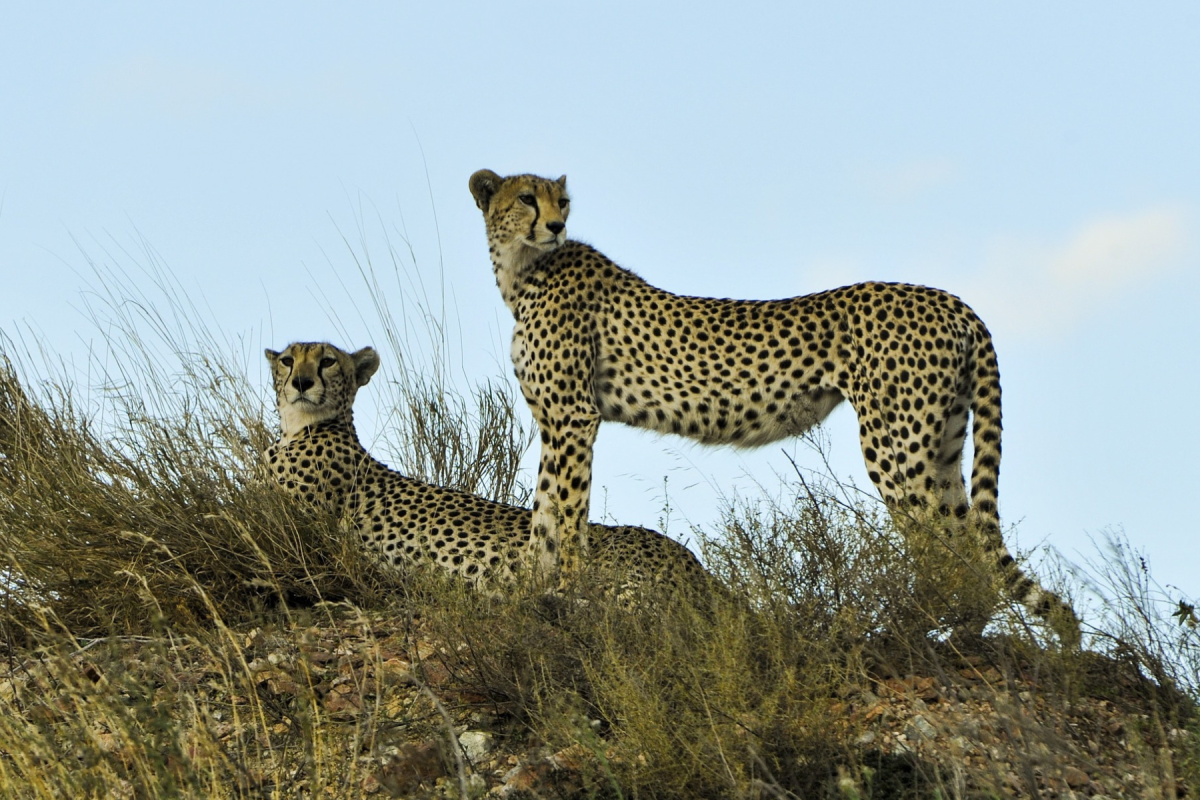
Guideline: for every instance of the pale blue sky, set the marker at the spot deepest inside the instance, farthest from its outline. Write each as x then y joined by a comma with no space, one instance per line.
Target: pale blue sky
1038,159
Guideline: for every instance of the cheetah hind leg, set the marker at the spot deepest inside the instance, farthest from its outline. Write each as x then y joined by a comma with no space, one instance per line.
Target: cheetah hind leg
953,591
949,496
923,490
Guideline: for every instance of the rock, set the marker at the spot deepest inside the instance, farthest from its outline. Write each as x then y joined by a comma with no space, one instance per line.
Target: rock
344,705
323,657
571,758
413,765
919,729
521,778
394,671
552,772
476,744
1075,777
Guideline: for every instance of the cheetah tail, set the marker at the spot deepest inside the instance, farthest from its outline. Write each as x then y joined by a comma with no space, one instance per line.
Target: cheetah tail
985,411
985,473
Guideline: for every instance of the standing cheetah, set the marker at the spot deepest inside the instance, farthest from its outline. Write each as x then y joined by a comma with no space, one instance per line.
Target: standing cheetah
593,342
409,523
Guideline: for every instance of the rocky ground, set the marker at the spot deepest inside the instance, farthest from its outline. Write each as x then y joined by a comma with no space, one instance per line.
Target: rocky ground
989,731
367,703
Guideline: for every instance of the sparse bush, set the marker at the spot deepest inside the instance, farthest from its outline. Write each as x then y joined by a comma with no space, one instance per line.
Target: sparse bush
173,627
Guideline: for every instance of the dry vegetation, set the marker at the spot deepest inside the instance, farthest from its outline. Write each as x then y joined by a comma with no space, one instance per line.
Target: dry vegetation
174,628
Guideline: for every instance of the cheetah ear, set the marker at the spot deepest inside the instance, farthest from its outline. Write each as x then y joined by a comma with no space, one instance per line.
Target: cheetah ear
272,356
484,185
366,361
562,181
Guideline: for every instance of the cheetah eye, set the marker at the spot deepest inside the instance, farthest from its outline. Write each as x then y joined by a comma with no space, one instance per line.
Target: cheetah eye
327,362
528,199
287,361
563,203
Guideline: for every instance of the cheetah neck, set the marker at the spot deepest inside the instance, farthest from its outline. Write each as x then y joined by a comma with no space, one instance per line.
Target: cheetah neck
511,264
336,429
334,435
323,463
294,425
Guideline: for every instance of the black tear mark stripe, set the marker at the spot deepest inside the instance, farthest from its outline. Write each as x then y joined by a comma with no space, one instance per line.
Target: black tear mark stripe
537,213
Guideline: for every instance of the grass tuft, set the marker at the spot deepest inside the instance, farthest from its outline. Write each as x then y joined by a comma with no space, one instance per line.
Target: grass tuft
173,626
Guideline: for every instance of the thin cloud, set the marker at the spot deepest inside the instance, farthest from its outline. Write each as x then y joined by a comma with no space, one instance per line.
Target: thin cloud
1027,287
1035,288
1112,252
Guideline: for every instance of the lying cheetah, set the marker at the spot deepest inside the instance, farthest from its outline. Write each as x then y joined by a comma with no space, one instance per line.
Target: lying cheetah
409,523
593,342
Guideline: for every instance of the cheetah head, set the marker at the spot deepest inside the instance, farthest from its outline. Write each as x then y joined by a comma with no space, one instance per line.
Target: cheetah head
315,381
525,215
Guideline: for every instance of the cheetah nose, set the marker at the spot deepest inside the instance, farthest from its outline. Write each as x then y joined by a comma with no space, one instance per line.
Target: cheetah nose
302,384
555,227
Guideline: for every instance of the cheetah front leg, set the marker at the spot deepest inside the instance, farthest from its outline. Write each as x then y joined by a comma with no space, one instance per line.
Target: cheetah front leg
563,402
558,539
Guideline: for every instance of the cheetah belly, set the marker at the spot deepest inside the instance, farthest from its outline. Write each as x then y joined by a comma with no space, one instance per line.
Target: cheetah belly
745,414
809,409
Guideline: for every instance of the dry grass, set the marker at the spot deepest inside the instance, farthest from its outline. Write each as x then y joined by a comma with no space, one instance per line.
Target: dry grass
175,628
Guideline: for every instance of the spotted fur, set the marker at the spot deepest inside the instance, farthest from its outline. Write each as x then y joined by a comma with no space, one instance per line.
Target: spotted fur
409,523
593,341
